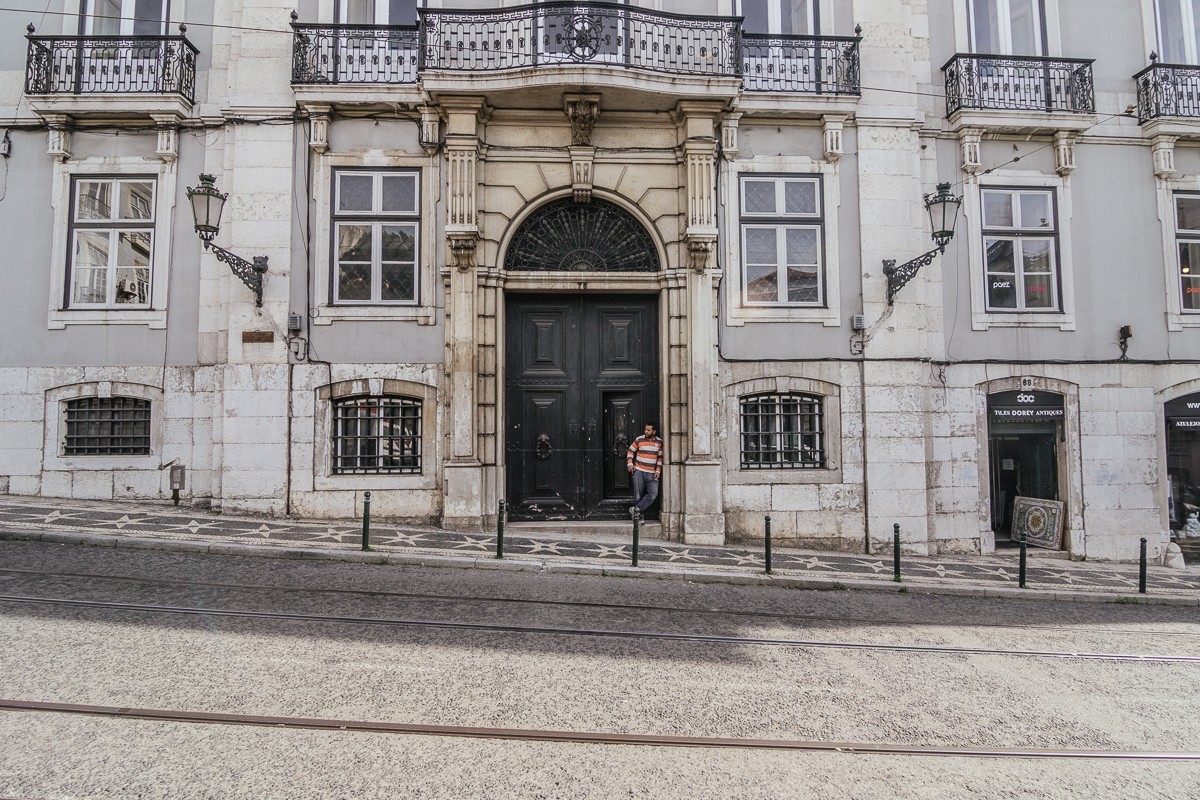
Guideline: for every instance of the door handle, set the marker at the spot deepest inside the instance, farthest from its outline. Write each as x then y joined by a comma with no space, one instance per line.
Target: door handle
542,449
621,444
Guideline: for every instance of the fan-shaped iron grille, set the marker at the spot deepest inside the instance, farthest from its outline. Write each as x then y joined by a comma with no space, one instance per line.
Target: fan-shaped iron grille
565,236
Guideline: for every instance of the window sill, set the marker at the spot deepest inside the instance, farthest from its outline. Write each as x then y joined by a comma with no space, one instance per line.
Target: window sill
741,315
422,315
981,321
744,477
156,319
1177,322
373,483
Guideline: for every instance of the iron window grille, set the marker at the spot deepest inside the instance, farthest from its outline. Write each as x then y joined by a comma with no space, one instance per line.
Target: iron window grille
1187,237
111,243
783,431
107,426
376,436
783,241
1020,249
375,237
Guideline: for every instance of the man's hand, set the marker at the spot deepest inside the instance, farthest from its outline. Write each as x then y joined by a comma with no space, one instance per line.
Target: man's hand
629,468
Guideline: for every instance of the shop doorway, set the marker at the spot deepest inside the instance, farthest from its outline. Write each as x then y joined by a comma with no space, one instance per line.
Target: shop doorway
1183,472
582,380
1025,430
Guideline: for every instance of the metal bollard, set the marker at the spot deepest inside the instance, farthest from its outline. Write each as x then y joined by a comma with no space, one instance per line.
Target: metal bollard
1021,571
767,545
1142,569
636,519
500,531
366,542
896,552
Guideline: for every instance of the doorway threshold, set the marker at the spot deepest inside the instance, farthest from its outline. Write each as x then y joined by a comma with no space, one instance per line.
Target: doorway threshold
615,531
1010,545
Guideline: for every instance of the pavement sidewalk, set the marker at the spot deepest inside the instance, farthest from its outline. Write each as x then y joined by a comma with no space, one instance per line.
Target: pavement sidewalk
184,529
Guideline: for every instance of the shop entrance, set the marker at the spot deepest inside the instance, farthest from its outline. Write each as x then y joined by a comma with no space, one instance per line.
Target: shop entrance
1024,432
1183,472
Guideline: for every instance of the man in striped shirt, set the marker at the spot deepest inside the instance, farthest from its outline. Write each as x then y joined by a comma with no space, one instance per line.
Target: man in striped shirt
644,462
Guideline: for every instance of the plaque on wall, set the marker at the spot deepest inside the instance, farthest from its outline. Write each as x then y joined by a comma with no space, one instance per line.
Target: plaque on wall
1040,520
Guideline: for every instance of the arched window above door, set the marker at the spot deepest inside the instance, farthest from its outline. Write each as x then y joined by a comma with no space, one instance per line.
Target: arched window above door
565,236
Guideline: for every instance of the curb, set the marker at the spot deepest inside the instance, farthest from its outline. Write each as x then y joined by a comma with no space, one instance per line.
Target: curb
577,568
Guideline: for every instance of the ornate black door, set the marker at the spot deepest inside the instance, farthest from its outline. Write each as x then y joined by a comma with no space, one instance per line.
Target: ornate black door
582,380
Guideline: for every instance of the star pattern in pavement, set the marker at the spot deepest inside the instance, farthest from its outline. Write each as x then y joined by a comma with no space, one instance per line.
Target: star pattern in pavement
542,547
475,543
604,551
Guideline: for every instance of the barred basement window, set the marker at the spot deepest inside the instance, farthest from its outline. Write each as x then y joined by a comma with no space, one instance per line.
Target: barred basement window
107,426
783,431
376,435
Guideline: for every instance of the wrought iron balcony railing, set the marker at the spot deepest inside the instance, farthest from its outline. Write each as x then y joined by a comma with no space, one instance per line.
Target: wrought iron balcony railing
1168,90
355,54
566,33
805,64
1019,83
578,33
111,65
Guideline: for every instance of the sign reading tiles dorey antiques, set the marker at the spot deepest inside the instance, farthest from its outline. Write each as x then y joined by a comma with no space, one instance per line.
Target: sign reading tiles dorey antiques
1025,405
1184,412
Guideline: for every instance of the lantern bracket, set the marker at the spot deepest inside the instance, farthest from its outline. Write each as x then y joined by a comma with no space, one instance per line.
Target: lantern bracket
250,273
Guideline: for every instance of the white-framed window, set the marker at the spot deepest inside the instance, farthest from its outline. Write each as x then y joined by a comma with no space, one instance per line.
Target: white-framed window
1177,24
124,18
987,253
376,216
1020,242
1187,244
782,431
111,242
110,256
782,233
789,17
1007,27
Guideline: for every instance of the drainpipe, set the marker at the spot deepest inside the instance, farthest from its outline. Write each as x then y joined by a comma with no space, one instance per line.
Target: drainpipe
862,410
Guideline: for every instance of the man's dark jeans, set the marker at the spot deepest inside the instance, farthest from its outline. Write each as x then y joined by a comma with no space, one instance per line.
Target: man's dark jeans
645,490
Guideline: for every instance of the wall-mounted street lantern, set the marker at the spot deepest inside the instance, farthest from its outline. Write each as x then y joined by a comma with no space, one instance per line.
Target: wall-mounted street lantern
943,215
207,204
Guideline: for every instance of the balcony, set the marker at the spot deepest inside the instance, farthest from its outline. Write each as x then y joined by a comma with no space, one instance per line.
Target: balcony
551,42
1168,90
1052,87
111,74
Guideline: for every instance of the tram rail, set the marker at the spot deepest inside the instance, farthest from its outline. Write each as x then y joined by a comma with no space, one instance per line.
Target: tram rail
580,737
596,632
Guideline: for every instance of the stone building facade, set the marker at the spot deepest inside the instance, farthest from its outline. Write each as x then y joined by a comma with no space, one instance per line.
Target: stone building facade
499,238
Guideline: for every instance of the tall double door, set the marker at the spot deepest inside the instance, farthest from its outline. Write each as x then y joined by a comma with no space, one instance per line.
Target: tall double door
581,382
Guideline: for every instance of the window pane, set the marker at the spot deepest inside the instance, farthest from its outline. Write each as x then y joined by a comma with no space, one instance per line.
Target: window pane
999,255
360,12
106,18
89,286
133,286
137,200
398,242
796,17
760,197
355,192
997,210
402,12
354,243
762,284
1171,35
761,246
1039,291
1189,273
133,249
1036,255
1187,214
148,17
1025,27
801,245
804,285
399,194
755,12
1035,210
985,26
1191,293
95,200
398,283
354,282
91,249
800,197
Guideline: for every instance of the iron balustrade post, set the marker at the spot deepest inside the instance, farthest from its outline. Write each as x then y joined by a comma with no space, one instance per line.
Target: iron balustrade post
1142,569
366,533
896,552
1021,570
767,544
500,531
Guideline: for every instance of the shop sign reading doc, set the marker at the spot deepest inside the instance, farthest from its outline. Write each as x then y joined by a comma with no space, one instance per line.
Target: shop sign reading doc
1026,404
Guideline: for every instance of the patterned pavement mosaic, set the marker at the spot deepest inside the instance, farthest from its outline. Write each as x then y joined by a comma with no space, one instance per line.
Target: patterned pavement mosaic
21,515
